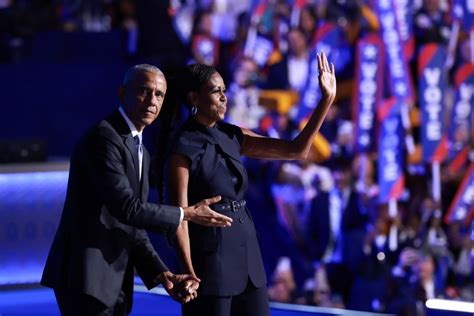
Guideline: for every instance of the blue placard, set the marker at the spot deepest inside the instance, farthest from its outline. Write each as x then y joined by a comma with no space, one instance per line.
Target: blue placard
367,91
391,153
400,85
432,80
462,113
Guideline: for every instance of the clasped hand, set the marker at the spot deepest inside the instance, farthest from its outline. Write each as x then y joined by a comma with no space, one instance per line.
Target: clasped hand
181,287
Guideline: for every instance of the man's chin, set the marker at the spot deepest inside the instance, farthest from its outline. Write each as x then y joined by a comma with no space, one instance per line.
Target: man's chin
148,121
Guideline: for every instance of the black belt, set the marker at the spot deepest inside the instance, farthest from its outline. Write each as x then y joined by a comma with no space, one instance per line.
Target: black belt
230,205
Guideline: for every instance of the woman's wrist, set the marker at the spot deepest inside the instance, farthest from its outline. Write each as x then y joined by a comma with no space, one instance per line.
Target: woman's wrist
191,272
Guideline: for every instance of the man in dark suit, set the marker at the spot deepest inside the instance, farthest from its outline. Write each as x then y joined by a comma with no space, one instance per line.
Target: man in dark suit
291,72
332,215
101,238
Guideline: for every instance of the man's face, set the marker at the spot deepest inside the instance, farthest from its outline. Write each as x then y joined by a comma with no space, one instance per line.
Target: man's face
431,5
424,268
244,73
142,97
342,179
297,43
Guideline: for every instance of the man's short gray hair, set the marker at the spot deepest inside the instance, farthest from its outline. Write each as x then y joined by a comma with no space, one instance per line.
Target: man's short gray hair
132,71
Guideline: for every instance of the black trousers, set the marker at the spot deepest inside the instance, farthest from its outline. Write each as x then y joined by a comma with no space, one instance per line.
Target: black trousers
252,302
80,304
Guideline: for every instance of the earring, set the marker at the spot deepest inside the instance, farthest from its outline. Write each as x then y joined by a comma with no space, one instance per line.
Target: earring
194,110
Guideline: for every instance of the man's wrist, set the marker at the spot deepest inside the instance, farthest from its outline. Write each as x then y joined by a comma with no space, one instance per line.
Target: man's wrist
187,212
181,216
160,278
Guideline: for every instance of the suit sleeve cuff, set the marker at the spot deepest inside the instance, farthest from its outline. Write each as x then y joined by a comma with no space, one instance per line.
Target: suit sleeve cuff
181,216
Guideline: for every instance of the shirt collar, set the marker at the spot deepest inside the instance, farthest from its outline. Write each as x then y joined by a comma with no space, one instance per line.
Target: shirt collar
343,193
130,124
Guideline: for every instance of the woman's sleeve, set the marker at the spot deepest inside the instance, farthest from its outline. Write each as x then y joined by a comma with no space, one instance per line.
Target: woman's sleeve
233,131
186,147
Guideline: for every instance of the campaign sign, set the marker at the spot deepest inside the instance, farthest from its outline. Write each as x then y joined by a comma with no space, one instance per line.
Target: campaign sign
404,10
462,116
206,48
367,91
391,178
432,80
326,39
462,11
262,50
468,15
400,84
462,206
331,40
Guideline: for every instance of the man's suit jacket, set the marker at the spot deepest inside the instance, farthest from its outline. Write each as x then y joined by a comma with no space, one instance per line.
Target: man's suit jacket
318,226
101,236
278,75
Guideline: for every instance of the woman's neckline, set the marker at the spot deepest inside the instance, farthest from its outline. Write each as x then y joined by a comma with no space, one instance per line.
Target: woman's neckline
214,126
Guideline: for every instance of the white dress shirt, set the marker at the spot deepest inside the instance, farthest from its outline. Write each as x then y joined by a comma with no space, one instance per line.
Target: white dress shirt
135,132
297,72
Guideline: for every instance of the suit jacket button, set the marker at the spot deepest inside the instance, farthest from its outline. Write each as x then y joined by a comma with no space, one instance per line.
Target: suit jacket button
241,220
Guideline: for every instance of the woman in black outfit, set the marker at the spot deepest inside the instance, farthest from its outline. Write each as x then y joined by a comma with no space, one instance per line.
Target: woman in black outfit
205,161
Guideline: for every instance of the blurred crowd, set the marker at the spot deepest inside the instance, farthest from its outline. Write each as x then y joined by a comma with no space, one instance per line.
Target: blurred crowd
348,250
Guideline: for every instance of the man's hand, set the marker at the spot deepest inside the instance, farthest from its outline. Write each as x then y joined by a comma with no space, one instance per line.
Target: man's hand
181,287
202,214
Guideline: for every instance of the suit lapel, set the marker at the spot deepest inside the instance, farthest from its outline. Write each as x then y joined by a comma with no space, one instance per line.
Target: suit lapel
118,122
145,170
130,144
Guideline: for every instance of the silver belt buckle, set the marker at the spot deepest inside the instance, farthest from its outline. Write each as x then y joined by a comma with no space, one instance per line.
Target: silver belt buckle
235,206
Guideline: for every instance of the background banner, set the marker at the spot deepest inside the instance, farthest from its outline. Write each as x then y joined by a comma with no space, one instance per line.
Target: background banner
432,85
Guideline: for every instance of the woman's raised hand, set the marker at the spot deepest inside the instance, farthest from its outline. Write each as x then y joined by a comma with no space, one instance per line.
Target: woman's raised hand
327,77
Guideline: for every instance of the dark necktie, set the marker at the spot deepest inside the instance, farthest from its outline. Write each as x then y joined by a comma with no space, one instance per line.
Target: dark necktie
139,146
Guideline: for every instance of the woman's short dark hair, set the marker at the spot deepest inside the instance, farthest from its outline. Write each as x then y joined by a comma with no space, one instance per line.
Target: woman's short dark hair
196,75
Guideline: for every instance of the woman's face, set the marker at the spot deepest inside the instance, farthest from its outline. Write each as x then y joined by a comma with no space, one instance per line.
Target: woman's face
211,101
297,43
205,24
307,21
245,72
